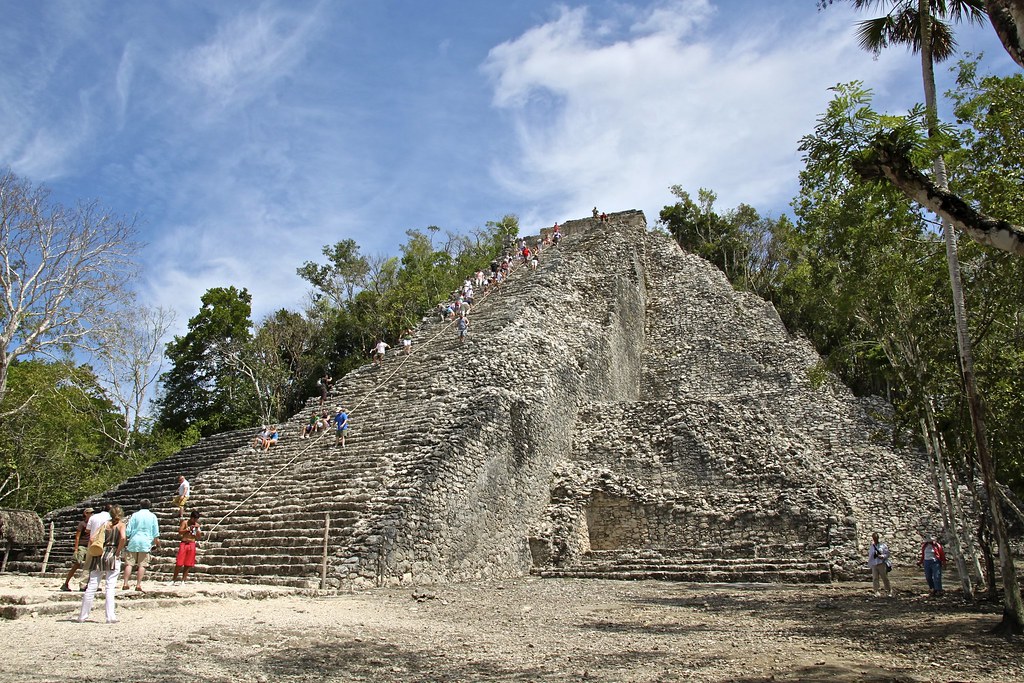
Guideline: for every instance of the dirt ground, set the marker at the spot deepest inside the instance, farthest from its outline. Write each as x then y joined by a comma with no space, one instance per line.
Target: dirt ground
519,630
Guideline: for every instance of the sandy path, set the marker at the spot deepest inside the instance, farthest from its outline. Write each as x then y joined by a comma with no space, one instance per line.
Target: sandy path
522,630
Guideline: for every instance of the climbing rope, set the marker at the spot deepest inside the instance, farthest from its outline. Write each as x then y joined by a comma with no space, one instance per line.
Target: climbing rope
366,396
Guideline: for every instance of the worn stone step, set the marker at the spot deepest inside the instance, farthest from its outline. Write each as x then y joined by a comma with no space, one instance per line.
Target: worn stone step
693,576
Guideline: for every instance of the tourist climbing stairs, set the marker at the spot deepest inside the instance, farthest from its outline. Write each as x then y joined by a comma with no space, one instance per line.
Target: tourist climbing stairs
274,517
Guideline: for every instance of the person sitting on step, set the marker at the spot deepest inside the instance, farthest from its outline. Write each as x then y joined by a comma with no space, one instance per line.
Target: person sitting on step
270,439
257,441
310,427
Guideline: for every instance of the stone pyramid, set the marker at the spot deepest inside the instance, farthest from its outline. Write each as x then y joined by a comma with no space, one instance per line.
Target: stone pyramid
622,411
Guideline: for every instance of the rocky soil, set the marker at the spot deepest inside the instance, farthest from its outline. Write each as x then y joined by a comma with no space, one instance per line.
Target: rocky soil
516,630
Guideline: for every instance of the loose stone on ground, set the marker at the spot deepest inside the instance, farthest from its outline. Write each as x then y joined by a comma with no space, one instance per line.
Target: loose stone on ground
523,630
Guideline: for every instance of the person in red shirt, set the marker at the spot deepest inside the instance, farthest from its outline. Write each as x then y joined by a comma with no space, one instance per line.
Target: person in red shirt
933,559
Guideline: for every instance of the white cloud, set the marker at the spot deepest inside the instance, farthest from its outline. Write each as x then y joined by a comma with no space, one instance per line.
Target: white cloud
123,80
676,17
46,154
674,99
248,54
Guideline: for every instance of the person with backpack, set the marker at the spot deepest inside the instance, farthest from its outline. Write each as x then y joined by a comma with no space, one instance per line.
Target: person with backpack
878,561
106,544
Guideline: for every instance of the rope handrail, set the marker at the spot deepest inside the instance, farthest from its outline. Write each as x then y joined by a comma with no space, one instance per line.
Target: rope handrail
406,357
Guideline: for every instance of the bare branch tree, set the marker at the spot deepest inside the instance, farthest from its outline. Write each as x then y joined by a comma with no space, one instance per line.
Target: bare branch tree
61,271
129,361
12,484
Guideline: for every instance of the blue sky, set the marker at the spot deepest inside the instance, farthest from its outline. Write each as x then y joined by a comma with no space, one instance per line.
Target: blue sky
246,135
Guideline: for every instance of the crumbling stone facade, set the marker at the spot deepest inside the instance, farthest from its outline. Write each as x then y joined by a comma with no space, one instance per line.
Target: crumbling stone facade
627,398
622,403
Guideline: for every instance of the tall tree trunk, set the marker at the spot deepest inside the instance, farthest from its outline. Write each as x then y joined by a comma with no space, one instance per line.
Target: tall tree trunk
950,524
1013,612
962,536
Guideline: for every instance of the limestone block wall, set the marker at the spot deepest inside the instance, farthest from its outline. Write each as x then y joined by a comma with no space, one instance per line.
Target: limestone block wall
728,441
465,507
621,397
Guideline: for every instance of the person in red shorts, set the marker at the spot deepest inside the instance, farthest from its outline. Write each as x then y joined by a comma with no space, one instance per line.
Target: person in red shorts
189,531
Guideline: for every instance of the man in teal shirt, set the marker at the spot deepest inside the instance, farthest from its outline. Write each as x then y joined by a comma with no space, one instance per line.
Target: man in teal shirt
143,533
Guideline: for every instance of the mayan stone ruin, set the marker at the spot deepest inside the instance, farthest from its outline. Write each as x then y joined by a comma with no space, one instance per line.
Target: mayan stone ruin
620,412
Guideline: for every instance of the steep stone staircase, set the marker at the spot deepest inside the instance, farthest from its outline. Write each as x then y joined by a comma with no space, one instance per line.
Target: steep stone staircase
264,515
622,406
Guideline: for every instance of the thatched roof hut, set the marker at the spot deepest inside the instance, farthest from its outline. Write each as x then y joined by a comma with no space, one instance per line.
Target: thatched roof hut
21,527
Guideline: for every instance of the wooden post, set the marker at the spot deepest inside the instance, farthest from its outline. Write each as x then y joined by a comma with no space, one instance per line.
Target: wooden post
323,563
7,552
46,554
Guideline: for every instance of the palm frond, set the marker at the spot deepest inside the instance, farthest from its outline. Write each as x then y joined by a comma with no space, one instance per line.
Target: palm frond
943,42
874,35
958,11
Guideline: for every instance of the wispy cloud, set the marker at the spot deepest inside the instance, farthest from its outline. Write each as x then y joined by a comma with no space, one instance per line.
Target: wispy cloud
248,135
123,80
672,96
248,54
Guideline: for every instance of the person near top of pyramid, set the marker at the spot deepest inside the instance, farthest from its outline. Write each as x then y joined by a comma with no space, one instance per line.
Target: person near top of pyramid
324,383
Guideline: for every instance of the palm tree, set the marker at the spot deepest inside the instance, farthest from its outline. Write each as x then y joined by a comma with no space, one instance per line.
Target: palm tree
925,26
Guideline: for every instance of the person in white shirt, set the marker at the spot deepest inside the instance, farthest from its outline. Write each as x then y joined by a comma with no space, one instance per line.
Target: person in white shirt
106,566
878,561
181,497
97,520
379,350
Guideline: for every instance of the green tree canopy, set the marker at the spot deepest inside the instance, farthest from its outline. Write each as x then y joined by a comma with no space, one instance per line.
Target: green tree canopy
204,388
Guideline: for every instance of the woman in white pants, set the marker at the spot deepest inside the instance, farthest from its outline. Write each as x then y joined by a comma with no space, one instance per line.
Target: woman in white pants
110,569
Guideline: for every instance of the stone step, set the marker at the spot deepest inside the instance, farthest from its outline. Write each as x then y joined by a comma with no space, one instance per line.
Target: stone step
722,565
758,551
256,567
690,576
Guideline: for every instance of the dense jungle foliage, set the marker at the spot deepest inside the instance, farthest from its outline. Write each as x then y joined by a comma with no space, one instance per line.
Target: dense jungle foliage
857,268
862,272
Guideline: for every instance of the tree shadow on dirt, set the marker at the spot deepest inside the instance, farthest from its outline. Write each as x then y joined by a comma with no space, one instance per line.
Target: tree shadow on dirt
848,613
355,660
830,673
362,661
